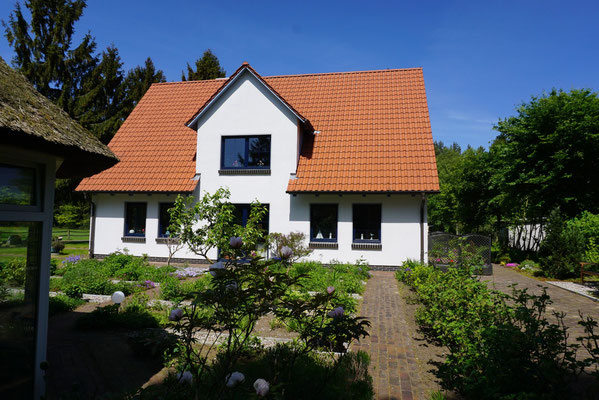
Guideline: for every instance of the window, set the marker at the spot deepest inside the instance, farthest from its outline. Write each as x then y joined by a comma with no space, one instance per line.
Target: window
164,219
135,219
242,213
367,223
245,152
323,222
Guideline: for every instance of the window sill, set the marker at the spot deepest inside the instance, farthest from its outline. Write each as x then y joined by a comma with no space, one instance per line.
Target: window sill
245,171
164,240
323,245
133,239
367,246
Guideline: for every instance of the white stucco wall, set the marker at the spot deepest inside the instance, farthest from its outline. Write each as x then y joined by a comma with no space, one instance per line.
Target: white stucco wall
248,108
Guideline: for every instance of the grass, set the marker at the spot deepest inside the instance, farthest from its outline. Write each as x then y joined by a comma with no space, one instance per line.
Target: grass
76,234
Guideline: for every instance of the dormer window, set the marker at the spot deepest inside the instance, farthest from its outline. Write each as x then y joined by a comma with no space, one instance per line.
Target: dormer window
245,152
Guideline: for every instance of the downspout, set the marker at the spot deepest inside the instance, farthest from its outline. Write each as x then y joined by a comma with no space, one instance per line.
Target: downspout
92,227
422,211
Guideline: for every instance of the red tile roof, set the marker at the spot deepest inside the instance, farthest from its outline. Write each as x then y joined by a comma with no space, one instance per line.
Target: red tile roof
374,134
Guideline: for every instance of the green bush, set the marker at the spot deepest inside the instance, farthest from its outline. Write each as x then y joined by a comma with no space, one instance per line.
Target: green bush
60,304
310,375
562,249
57,245
73,291
13,271
500,346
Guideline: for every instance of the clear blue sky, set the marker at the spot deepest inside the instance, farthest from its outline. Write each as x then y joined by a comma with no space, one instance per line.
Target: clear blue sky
480,58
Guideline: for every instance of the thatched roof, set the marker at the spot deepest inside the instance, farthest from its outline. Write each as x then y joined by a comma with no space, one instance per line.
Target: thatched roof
29,120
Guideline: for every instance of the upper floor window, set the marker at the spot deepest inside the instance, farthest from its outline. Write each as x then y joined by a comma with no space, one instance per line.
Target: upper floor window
135,219
245,152
323,222
367,223
164,219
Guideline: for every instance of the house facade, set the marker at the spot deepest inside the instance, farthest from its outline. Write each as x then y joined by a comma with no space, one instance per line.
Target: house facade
346,158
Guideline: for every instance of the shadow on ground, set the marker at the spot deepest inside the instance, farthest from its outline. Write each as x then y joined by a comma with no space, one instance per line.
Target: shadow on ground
92,364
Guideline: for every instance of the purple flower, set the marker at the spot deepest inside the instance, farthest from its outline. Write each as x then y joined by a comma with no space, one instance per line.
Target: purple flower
336,313
285,252
235,242
331,290
175,315
262,387
234,378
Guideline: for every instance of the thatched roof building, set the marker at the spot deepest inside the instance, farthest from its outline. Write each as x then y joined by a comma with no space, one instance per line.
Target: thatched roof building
29,120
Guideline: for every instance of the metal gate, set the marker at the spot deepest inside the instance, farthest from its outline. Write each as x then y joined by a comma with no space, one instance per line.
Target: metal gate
446,250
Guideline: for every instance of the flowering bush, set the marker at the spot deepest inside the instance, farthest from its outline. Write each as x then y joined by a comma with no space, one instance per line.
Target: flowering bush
236,297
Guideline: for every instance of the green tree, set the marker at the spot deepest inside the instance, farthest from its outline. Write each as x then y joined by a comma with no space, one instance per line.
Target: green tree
207,67
100,109
443,207
138,81
43,48
71,216
546,156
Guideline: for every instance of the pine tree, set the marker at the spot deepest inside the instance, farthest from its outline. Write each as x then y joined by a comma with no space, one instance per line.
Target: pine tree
43,51
99,109
207,67
138,81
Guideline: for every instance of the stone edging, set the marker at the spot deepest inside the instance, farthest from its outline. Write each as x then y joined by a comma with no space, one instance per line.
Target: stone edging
573,290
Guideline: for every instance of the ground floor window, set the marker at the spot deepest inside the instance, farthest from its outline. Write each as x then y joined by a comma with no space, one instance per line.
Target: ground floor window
242,213
323,222
135,219
164,219
20,262
367,223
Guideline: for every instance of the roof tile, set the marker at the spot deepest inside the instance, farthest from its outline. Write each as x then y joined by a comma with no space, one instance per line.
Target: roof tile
374,135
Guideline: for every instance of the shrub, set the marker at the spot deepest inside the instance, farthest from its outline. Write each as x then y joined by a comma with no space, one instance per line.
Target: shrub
562,249
73,291
13,271
294,240
310,374
57,245
60,304
500,346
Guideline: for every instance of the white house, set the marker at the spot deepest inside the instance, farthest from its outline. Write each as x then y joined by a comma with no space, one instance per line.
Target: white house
346,158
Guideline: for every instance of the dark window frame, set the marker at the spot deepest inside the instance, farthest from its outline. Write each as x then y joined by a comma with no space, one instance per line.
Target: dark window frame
130,203
313,234
245,213
38,186
246,154
355,233
160,223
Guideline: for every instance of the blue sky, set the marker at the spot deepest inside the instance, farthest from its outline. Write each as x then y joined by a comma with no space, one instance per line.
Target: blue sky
480,58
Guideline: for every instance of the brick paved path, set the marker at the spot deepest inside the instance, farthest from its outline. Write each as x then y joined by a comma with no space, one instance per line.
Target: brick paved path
563,300
395,369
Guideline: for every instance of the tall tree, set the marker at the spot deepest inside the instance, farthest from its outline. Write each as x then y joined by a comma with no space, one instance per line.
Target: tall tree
100,108
546,156
207,67
43,51
138,81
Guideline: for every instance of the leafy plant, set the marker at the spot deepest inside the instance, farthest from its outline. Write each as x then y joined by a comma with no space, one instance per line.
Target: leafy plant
60,304
562,249
294,240
499,345
13,271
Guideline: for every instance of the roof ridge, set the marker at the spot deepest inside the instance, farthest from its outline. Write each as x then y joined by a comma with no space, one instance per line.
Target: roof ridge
371,71
347,72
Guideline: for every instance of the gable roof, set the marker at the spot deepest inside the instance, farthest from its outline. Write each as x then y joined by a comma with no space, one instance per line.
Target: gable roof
29,120
372,135
192,123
